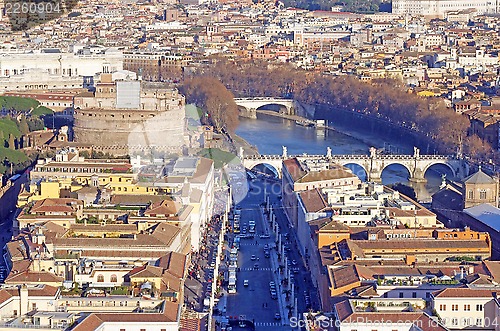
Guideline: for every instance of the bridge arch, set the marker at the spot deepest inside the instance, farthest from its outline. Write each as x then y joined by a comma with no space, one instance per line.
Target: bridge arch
359,165
253,104
273,161
449,166
399,163
279,104
270,166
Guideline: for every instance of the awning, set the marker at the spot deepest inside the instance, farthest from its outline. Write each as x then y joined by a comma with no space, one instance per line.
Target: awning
146,285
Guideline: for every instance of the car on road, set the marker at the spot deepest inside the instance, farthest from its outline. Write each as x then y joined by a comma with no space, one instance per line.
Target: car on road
264,236
256,266
294,262
272,284
277,316
245,282
274,295
266,254
253,258
266,246
238,207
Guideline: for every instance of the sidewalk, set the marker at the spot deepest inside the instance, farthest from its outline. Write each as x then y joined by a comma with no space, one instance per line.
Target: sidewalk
277,278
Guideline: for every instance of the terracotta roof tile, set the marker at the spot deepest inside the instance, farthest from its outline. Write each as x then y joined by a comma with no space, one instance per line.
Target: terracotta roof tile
463,293
313,200
4,296
33,277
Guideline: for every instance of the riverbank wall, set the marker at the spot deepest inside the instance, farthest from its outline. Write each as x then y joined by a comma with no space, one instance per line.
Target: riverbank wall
376,127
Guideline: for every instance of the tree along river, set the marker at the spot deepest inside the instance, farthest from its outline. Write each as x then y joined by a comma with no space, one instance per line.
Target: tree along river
269,134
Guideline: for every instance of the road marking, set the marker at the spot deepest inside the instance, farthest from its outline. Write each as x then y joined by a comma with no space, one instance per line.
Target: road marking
252,269
268,324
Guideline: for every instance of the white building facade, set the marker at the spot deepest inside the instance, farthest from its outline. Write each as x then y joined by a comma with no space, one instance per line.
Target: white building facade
439,8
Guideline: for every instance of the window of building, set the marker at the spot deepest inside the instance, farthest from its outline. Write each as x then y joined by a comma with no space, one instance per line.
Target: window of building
100,278
454,307
114,279
400,294
414,295
479,321
33,306
470,195
122,329
467,307
454,322
479,307
442,307
482,194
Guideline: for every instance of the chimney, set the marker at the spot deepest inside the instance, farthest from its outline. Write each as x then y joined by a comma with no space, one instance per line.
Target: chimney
23,300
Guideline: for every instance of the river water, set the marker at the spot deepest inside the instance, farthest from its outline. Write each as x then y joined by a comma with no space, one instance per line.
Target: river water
269,134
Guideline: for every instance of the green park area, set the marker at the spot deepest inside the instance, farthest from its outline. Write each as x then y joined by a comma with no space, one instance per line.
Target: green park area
20,116
219,157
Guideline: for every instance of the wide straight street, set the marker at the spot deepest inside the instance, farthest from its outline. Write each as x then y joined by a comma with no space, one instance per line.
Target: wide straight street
262,274
254,301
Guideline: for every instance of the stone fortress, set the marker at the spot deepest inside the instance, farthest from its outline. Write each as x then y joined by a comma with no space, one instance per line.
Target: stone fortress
130,116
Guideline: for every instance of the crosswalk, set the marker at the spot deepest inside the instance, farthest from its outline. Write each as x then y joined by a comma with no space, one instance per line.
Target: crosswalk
252,269
268,324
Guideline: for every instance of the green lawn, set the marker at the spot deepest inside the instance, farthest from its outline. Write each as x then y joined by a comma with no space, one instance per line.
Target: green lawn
220,157
8,126
193,112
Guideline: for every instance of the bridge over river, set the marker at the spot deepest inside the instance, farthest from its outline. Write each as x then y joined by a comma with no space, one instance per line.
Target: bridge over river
373,164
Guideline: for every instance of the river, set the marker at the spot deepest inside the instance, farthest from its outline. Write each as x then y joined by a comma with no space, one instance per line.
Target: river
269,134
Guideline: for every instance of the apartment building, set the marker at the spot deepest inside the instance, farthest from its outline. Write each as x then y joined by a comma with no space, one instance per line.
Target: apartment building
167,320
351,319
417,249
438,8
465,308
304,175
44,70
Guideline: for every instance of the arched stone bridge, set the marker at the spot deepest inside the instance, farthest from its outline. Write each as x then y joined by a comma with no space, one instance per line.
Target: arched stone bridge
373,164
250,105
